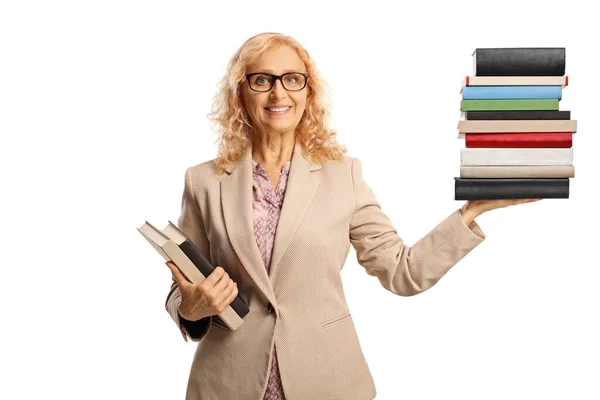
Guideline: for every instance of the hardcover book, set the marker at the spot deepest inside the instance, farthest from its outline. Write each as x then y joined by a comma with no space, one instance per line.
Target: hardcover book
515,115
509,105
510,188
173,245
519,61
515,81
511,92
519,139
483,156
517,171
492,126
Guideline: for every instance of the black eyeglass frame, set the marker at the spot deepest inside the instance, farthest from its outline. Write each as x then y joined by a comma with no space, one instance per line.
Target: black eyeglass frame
275,78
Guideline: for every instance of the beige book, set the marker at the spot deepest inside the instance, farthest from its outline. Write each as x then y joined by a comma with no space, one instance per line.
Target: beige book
515,81
517,171
167,243
525,125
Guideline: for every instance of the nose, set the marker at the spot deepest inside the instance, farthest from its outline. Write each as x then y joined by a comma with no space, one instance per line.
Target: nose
278,89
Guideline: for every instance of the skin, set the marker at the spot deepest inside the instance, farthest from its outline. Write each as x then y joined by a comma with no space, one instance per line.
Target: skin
274,136
273,144
474,208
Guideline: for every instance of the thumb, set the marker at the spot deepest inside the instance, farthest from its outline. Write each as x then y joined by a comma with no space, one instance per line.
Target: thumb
177,275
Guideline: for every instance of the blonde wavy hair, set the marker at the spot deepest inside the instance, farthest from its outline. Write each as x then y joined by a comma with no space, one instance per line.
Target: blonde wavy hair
318,141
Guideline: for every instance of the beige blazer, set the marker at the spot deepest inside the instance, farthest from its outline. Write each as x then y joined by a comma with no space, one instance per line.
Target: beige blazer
300,306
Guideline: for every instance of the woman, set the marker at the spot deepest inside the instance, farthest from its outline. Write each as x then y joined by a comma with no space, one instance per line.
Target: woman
284,258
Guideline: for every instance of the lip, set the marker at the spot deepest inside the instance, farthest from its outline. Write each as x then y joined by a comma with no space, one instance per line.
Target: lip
278,113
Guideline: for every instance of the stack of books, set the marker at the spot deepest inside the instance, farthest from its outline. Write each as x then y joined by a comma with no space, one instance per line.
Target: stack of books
175,246
518,144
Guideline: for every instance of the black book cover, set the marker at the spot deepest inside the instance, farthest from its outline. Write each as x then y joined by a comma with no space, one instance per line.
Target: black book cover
517,115
510,188
206,268
520,61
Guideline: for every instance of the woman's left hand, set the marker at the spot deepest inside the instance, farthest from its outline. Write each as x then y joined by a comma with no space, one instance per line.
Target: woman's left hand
474,208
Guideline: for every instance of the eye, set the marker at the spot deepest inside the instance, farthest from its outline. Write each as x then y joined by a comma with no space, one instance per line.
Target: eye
261,79
292,78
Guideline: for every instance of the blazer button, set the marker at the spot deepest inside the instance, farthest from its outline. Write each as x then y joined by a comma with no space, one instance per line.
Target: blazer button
270,308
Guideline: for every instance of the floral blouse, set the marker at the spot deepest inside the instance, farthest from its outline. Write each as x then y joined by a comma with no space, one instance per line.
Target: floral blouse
266,206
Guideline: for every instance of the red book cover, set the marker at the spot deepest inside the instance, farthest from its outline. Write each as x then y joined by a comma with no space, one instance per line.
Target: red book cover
519,139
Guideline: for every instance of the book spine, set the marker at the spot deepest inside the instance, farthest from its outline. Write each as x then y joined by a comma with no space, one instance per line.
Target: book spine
509,105
519,140
509,188
516,81
520,61
517,115
516,156
511,92
493,126
517,171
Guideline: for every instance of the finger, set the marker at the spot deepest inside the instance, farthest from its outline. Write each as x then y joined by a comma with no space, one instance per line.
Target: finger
214,277
177,275
529,200
234,293
223,283
230,294
229,289
489,205
174,270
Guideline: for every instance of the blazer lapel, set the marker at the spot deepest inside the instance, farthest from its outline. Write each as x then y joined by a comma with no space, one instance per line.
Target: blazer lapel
300,189
236,198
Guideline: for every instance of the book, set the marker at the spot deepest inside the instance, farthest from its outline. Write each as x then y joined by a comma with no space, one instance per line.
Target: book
516,156
173,245
518,144
509,105
517,171
515,81
515,115
494,126
511,92
519,61
519,139
510,188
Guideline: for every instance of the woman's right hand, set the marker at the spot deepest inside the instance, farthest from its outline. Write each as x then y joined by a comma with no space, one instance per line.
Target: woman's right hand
202,300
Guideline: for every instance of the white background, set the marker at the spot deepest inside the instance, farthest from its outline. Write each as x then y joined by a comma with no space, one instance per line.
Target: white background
103,106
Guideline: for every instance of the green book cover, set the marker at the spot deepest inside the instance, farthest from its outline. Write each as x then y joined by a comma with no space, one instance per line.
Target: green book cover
509,105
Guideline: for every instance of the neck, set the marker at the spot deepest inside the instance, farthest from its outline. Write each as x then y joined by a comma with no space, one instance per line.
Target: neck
272,151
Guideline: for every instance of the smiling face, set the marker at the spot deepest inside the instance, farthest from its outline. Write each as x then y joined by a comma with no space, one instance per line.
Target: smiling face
275,61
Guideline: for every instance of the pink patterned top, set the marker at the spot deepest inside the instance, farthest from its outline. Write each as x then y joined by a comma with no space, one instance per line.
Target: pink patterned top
266,205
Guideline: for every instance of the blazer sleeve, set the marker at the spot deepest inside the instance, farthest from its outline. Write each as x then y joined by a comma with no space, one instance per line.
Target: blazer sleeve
191,223
405,270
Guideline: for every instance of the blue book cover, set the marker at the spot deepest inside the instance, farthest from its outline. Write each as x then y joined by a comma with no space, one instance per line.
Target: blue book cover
511,92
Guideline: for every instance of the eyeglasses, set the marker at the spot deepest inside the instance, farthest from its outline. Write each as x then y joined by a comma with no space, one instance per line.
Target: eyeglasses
263,82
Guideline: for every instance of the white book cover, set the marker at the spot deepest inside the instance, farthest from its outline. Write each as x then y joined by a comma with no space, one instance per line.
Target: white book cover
517,156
